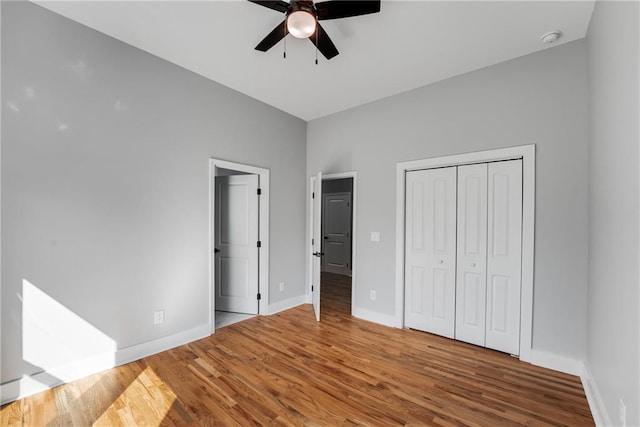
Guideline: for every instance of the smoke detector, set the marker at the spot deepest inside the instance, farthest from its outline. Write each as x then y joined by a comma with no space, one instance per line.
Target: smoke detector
551,37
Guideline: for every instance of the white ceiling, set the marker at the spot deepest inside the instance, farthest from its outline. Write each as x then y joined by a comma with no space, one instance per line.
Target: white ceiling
407,45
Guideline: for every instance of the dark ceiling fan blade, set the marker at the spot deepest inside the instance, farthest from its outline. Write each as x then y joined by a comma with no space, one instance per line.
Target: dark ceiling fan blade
336,9
277,34
324,43
279,5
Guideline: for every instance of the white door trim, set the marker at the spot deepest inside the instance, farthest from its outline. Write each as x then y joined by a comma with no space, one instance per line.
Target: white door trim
354,212
263,268
311,213
527,154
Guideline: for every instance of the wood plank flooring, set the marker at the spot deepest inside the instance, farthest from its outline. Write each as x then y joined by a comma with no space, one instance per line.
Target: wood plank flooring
286,369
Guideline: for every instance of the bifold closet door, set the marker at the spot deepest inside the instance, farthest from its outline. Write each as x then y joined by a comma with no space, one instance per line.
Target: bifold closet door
430,250
504,256
471,276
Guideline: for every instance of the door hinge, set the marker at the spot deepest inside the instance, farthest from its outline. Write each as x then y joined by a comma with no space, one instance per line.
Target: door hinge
259,297
313,195
312,242
311,288
259,191
259,244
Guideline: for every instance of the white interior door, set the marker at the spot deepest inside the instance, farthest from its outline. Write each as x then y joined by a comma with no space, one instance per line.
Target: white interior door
316,244
236,239
430,251
336,232
471,275
504,256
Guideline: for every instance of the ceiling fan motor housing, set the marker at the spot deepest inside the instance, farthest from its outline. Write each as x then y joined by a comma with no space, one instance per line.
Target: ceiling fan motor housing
302,6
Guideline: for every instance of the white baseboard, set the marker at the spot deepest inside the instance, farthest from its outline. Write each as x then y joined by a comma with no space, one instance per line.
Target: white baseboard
596,404
41,381
45,380
139,351
553,361
375,317
577,368
279,306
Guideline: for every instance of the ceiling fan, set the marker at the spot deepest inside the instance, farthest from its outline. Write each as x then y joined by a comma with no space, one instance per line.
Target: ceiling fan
302,18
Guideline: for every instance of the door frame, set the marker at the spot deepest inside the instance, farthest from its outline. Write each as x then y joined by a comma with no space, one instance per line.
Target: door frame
350,225
354,203
525,152
263,232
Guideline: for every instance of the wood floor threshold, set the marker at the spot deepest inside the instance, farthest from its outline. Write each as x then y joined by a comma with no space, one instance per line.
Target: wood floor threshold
289,370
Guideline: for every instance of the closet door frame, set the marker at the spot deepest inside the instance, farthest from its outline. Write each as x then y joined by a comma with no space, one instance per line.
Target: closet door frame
527,154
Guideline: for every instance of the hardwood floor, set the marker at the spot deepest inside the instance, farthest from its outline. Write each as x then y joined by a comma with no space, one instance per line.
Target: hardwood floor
286,369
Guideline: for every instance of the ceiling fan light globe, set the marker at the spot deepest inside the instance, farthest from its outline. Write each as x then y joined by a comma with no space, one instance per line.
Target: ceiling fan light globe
301,24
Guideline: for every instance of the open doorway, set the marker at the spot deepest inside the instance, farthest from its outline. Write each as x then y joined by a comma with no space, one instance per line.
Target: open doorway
333,284
336,226
239,242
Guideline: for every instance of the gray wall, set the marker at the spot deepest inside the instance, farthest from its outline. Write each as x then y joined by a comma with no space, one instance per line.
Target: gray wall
613,351
539,98
105,193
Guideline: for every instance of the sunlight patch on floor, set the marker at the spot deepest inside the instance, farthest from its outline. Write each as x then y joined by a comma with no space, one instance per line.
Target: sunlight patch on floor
146,400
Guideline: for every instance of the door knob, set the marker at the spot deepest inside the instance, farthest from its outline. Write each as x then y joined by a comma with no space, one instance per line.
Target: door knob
441,261
473,264
216,250
326,237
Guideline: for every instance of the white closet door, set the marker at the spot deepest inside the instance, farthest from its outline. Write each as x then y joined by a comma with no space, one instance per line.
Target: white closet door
504,256
236,261
430,251
471,276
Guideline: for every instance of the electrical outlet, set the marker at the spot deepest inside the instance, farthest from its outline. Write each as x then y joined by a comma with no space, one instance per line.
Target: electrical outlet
158,317
281,286
622,412
375,236
372,295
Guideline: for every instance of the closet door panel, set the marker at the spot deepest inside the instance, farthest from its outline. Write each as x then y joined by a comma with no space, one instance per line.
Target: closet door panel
504,252
415,252
471,273
430,239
